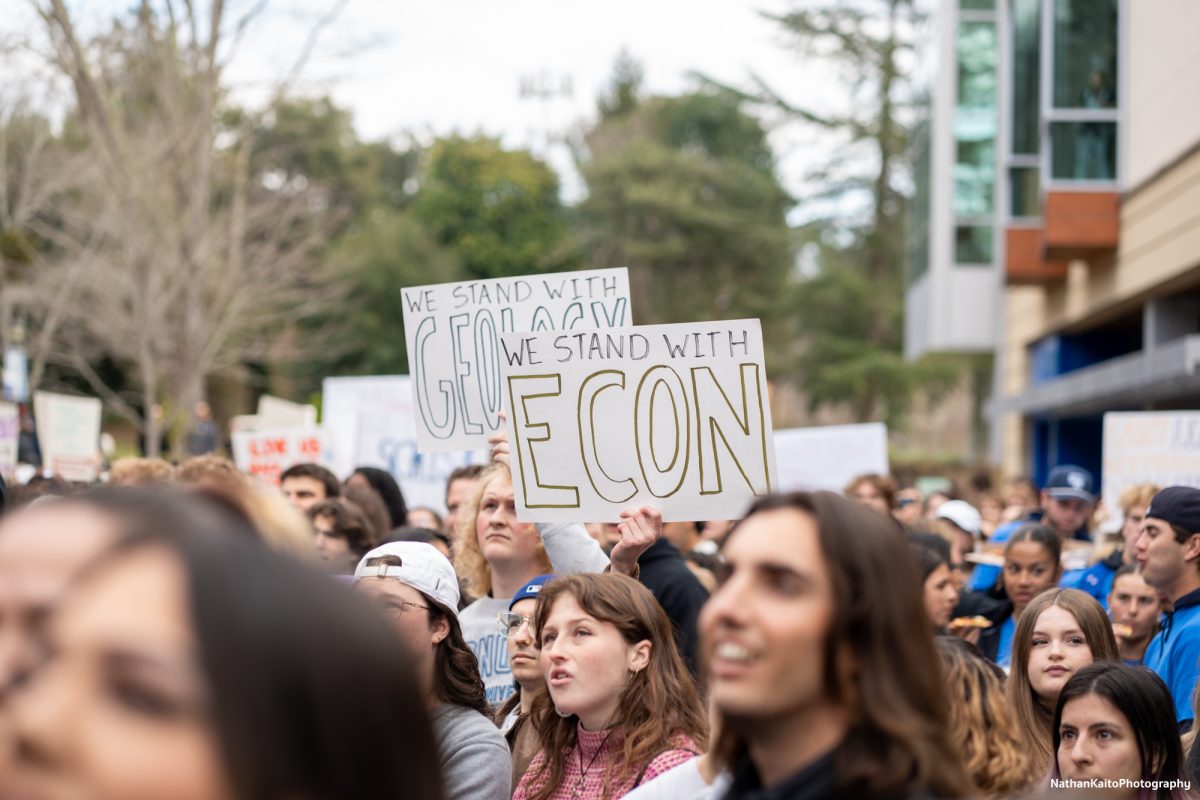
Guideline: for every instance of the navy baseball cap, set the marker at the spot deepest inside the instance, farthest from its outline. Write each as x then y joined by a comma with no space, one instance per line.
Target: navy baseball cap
530,590
1071,481
1177,505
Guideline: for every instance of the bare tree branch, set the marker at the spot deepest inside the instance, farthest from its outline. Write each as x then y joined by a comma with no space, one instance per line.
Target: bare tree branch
114,400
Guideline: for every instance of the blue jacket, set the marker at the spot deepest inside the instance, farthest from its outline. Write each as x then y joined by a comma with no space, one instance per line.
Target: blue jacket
1174,653
1096,580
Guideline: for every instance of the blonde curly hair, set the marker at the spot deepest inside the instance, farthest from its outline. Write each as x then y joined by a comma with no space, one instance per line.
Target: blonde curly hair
983,723
469,562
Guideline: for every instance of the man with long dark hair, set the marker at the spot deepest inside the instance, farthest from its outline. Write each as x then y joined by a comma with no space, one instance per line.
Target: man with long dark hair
415,586
821,659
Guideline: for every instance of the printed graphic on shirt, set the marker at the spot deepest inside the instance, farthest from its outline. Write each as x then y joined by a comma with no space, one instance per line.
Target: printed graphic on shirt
492,653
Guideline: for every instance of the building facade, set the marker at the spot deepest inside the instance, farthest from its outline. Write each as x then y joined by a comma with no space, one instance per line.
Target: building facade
1095,223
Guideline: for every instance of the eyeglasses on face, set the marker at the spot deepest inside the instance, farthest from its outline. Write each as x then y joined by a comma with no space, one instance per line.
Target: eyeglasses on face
395,608
509,623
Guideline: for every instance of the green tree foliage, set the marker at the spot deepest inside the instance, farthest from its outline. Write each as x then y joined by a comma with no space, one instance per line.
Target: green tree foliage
683,190
313,141
383,253
497,210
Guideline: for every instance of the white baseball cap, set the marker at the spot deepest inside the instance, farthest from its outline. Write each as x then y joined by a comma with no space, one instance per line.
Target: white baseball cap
421,566
962,514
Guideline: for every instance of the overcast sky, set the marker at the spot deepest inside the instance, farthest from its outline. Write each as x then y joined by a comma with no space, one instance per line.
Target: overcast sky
433,67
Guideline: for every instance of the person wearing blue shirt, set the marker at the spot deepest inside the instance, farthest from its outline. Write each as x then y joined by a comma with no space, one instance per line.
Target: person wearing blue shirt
1067,501
1097,580
1134,607
1032,564
1168,553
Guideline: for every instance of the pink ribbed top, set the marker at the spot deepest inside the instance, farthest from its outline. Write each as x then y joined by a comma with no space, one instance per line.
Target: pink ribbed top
588,783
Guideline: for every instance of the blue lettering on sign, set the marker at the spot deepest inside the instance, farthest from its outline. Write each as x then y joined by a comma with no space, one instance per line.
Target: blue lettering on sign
405,462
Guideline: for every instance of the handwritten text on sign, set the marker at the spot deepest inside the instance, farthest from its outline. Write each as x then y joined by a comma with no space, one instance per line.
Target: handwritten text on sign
266,454
453,329
1161,447
674,416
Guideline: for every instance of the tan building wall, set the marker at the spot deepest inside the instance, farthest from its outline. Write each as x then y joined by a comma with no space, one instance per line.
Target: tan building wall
1161,112
1159,245
1159,252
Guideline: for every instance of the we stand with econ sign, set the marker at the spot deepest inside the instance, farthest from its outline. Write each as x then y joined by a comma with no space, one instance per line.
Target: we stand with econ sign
675,416
452,331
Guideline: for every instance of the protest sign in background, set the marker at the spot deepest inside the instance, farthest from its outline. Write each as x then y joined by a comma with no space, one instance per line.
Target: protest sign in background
829,457
675,416
68,430
1160,447
10,434
275,412
370,423
266,453
452,331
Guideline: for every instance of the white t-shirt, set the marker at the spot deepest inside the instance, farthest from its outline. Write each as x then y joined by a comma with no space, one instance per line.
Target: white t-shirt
681,783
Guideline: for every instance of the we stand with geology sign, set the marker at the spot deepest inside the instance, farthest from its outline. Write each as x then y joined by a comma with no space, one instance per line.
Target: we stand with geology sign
453,335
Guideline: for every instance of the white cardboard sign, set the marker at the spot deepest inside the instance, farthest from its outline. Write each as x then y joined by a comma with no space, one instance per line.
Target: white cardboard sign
675,416
10,434
275,412
452,331
371,423
266,453
68,429
1161,447
829,457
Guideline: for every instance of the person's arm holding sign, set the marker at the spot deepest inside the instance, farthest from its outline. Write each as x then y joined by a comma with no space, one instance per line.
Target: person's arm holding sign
571,549
568,545
640,528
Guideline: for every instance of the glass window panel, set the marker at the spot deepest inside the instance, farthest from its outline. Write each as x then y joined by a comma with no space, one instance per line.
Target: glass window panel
1027,52
976,55
1083,151
974,177
1025,192
1085,53
973,245
975,120
977,5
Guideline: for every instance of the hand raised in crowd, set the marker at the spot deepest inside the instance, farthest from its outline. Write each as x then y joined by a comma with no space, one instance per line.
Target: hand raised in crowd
499,442
639,528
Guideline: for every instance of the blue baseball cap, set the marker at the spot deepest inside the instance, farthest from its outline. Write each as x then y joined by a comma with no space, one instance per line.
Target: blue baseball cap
1071,481
530,590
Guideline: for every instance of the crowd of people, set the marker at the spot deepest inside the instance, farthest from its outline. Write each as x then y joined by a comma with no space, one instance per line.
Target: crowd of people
184,632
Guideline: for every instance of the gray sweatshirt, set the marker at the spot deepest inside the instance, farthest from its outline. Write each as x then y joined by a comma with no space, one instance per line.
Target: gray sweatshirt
474,756
571,550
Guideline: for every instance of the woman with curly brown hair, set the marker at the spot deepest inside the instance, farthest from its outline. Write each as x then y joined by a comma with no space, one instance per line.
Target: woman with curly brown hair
982,722
620,706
